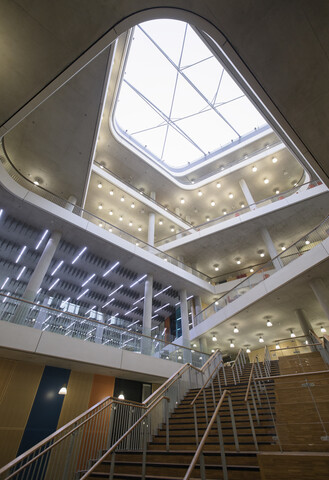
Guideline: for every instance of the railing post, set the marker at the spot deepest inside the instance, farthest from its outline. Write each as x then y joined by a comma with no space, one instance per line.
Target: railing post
112,465
213,392
145,431
167,424
233,376
252,424
222,448
235,434
254,404
196,425
224,375
69,455
205,405
219,384
202,467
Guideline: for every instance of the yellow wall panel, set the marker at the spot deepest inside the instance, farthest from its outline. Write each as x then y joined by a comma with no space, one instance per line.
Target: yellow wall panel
77,398
19,383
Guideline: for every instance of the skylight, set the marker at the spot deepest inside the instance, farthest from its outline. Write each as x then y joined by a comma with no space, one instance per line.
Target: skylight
176,103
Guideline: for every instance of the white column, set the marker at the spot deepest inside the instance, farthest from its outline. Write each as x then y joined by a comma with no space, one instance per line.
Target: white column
184,324
147,314
322,294
71,202
203,344
246,192
151,226
271,248
197,304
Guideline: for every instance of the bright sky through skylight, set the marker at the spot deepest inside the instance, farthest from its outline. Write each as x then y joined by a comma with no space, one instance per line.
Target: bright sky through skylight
176,102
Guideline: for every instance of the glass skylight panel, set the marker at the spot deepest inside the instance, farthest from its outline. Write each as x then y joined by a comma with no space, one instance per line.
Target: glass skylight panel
176,103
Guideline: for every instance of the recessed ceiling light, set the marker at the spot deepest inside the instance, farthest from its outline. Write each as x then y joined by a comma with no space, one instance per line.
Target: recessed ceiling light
276,191
274,160
254,169
132,205
218,184
262,254
214,338
182,200
212,350
230,195
242,205
283,248
111,192
212,203
99,185
266,180
200,193
216,268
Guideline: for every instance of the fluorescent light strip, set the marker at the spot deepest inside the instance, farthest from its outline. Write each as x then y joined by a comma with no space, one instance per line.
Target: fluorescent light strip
1,212
58,266
133,323
137,281
127,313
21,273
83,293
164,330
116,314
138,300
90,310
38,291
79,255
114,291
45,327
88,279
189,298
41,239
68,298
155,316
154,328
178,303
162,291
107,303
127,341
110,270
164,306
52,286
20,254
7,294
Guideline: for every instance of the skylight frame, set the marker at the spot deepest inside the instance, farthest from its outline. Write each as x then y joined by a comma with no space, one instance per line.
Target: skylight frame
135,146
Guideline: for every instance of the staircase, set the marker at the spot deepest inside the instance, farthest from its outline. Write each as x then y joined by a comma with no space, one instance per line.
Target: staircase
173,464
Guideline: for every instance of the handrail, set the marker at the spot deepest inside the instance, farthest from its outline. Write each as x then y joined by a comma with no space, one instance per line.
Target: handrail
92,320
312,333
51,436
260,379
289,338
115,445
206,383
205,436
250,379
297,346
236,358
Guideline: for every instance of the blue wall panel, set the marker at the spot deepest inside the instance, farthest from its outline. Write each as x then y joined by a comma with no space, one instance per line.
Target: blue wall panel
46,408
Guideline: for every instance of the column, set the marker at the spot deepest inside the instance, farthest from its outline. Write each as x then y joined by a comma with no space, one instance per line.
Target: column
203,344
277,262
246,192
71,202
147,314
151,226
198,309
322,294
305,325
185,326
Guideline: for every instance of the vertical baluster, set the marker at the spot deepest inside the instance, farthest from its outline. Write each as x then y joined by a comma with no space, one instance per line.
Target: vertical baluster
235,434
222,448
205,405
252,425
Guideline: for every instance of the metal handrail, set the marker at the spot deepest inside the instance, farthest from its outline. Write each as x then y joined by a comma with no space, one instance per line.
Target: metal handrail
117,443
98,322
250,380
206,383
275,377
299,346
205,436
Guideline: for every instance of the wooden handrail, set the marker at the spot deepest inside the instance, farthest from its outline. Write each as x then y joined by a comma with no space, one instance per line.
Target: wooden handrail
312,333
236,358
250,379
115,445
304,374
205,384
289,338
205,436
297,346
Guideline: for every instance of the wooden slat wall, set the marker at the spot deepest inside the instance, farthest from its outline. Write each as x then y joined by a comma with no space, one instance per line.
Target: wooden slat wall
19,382
296,466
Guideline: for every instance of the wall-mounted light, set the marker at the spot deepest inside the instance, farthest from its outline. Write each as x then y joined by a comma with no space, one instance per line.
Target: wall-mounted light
121,396
62,390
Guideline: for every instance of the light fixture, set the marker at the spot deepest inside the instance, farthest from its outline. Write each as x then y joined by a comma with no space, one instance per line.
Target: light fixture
218,184
323,330
79,255
248,350
242,205
266,180
110,230
132,205
231,343
23,270
214,338
306,342
41,239
111,212
254,169
137,281
200,193
292,334
307,242
261,339
283,248
216,267
230,195
100,224
121,396
238,261
63,390
274,160
179,357
100,206
100,185
160,222
268,322
212,203
139,229
57,267
207,218
212,350
172,229
120,218
194,345
251,270
88,279
216,303
83,293
122,199
36,182
130,224
277,346
224,211
235,330
182,200
20,254
276,191
111,192
261,253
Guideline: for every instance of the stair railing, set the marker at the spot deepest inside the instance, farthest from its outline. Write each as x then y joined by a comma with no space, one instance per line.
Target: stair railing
238,365
321,346
251,387
267,361
108,423
200,445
